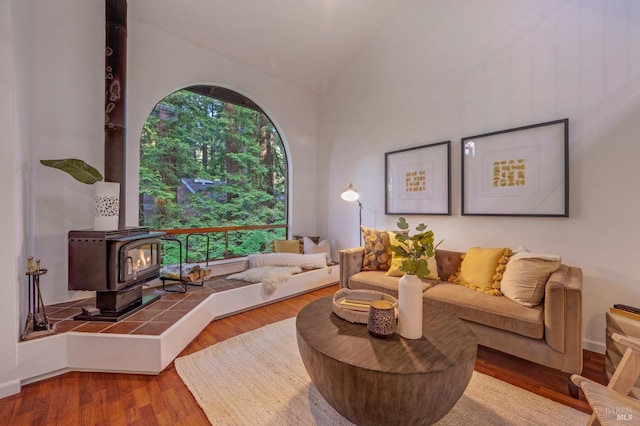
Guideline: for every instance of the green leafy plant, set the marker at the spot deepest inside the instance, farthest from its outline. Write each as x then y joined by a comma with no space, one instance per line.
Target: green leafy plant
415,249
78,169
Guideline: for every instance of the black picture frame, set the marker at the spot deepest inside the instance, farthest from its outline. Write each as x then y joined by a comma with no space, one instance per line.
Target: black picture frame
418,180
523,171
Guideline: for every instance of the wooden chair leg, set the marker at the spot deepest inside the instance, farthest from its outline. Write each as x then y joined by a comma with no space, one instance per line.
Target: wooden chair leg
574,390
593,421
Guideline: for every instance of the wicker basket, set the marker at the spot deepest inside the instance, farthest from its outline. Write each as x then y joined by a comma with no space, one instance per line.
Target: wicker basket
366,296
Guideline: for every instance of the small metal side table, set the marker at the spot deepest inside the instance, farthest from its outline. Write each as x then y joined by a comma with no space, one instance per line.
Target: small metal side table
625,326
37,323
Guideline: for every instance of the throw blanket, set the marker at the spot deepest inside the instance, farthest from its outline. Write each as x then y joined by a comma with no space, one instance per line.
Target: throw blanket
270,276
307,261
523,253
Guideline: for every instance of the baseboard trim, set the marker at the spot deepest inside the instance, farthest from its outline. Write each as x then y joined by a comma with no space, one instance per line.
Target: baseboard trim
10,388
593,346
45,376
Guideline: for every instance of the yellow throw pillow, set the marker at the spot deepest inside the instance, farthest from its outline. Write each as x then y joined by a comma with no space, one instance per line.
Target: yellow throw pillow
396,262
482,269
377,254
287,246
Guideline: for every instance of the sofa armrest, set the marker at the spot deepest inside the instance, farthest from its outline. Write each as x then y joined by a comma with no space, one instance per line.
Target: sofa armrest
350,263
563,316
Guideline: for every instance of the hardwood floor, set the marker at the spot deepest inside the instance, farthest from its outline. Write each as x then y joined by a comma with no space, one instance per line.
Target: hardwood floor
127,399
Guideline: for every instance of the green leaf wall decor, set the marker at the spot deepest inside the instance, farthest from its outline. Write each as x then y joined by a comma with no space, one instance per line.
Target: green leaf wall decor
78,169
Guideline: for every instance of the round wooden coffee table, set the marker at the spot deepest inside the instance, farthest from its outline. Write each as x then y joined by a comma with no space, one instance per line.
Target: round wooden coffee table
386,381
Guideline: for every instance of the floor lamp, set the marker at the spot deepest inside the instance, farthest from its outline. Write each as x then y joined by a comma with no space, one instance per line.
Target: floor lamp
350,194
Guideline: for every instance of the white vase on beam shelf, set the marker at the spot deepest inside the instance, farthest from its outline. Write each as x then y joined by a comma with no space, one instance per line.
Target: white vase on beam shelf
410,306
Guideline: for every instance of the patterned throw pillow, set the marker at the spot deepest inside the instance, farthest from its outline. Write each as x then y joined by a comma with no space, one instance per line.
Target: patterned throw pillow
482,268
302,237
377,254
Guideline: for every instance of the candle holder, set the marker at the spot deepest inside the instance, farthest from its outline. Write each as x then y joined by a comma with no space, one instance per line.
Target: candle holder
382,319
37,323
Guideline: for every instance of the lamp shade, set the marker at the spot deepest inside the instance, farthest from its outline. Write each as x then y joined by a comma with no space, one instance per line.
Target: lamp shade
350,194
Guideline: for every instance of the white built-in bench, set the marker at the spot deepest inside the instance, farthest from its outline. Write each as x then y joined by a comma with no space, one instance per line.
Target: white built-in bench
144,354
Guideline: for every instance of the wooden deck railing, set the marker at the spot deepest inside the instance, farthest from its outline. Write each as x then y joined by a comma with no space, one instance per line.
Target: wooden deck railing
220,230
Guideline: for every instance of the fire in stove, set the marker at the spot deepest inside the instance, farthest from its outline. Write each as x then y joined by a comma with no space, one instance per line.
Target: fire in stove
139,260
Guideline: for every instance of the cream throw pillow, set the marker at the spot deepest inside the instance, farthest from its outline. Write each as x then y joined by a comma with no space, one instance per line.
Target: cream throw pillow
525,277
396,262
310,247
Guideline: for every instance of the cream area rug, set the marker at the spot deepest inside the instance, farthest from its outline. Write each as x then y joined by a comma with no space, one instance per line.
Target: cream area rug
258,378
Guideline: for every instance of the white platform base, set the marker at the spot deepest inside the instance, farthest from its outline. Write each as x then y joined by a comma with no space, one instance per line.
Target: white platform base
124,353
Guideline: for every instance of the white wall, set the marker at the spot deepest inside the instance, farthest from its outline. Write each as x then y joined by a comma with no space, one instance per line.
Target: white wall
9,175
52,106
67,118
443,70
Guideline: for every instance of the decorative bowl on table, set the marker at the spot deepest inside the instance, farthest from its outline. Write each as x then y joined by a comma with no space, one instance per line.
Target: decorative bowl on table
353,305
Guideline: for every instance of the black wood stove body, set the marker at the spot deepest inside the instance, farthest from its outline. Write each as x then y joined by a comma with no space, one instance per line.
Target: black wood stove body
115,264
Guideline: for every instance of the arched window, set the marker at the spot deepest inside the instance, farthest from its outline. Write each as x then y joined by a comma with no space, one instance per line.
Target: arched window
210,157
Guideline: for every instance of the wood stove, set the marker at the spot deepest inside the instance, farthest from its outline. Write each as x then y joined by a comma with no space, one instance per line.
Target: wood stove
115,264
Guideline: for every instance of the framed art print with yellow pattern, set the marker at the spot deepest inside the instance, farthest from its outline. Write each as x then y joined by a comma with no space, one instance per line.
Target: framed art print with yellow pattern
418,180
517,172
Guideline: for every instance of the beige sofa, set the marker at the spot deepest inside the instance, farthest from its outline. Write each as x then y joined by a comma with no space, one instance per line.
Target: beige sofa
549,334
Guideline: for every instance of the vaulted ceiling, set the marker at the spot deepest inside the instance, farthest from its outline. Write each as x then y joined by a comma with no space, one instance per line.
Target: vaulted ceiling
301,42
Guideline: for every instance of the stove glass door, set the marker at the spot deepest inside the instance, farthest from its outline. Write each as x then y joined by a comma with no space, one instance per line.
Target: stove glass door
137,258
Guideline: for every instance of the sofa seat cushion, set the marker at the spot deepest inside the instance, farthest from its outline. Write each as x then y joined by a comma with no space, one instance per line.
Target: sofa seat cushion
379,281
495,311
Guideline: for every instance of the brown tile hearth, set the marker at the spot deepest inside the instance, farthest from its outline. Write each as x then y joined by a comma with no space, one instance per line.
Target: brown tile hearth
162,305
185,306
152,320
143,315
92,327
170,316
123,327
61,314
66,325
152,328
